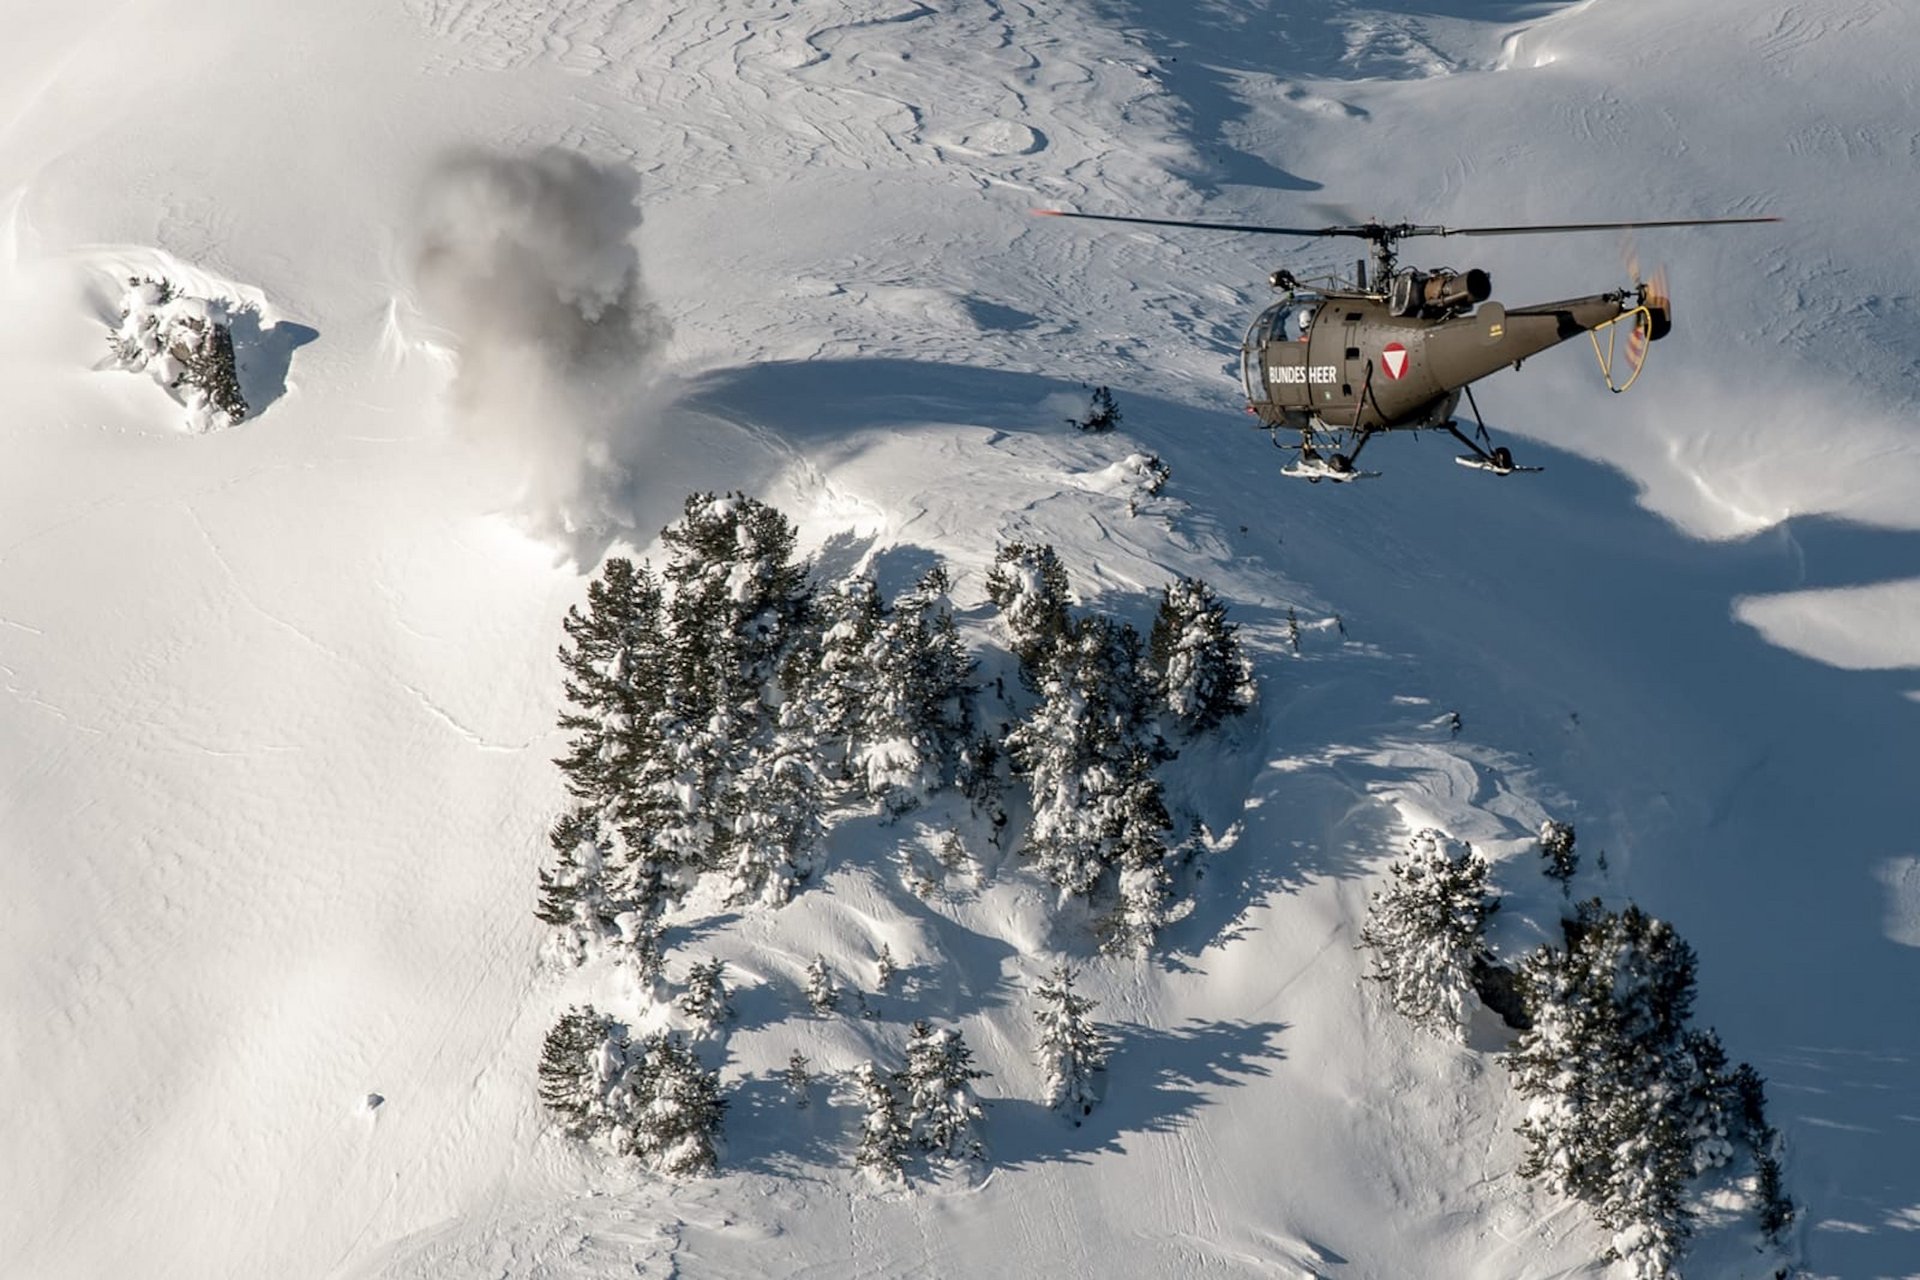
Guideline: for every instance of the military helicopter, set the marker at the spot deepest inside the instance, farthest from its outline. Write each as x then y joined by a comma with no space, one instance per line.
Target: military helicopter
1392,350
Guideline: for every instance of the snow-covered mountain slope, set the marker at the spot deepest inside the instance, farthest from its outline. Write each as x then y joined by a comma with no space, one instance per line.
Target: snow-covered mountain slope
275,761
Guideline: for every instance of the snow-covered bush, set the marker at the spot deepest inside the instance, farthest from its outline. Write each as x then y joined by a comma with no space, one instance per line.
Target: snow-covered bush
936,1087
1148,475
1197,661
186,345
1072,1050
1627,1103
1427,930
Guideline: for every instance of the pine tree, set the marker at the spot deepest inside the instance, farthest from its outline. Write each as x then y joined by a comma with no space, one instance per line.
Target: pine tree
1087,751
582,1062
675,1110
850,618
823,993
575,896
1144,885
186,344
937,1086
1427,930
1029,585
778,828
1198,665
1103,413
1073,1050
613,662
705,999
728,785
1557,851
1773,1207
1627,1103
883,1134
612,659
920,715
884,968
798,1079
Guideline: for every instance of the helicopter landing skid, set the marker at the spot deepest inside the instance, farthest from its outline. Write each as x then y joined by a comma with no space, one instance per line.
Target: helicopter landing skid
1315,469
1488,463
1498,460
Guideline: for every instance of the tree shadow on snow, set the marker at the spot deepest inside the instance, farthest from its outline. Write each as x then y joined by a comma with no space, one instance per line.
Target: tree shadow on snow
264,356
1155,1079
766,1132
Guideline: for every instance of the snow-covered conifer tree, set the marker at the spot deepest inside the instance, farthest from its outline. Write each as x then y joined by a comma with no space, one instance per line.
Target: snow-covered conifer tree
883,1134
575,897
823,993
1626,1103
612,658
722,770
1144,883
1073,1050
675,1107
582,1065
1557,851
1086,751
1197,661
920,715
705,998
778,825
884,968
1029,584
850,616
937,1087
186,344
1427,930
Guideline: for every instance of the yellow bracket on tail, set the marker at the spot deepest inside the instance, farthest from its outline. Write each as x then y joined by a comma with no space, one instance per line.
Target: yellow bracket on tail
1636,350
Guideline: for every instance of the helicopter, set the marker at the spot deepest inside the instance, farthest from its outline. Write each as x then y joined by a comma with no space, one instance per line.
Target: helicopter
1393,349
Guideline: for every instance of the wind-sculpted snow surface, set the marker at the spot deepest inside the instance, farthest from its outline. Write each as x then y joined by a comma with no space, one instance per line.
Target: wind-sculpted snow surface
275,768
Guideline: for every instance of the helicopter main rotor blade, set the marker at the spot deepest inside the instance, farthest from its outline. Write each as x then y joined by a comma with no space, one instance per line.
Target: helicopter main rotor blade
1580,226
1203,226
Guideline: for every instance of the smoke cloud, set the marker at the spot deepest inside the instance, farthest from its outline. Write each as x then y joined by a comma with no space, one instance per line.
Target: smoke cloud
530,266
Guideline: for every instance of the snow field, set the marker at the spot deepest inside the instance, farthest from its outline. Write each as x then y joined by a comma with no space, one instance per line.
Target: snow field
275,771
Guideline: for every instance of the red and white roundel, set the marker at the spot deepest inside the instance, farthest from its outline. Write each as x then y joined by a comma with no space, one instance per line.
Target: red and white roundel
1393,361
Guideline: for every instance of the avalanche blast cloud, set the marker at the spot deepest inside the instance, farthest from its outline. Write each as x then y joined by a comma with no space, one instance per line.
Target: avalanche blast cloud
529,264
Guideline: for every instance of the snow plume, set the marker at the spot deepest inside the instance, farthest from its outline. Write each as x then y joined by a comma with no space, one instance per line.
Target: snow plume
529,264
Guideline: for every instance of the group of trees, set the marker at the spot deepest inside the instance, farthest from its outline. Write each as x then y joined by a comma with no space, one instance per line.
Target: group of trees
721,708
651,1099
717,708
1091,745
1628,1103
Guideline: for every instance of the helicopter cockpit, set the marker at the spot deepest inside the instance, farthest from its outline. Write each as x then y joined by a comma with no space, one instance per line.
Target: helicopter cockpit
1288,320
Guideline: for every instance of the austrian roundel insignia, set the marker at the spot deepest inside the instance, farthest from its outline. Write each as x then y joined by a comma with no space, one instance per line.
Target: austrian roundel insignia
1393,361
